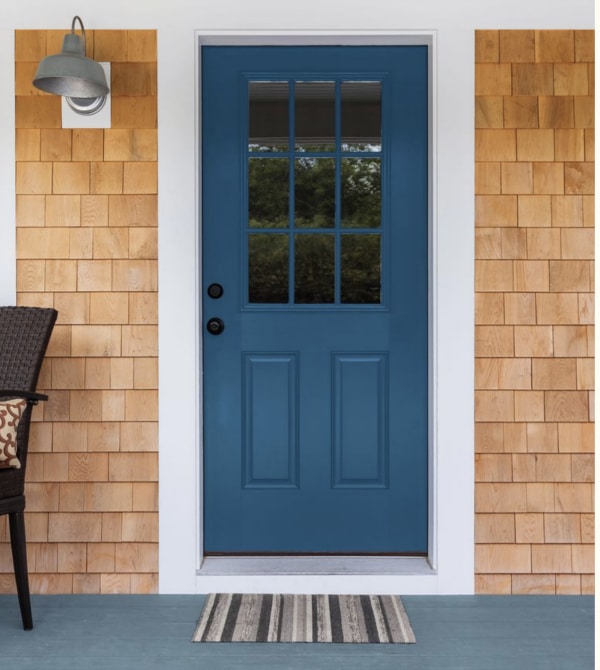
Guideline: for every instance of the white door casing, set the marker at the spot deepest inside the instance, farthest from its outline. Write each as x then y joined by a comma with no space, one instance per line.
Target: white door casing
451,545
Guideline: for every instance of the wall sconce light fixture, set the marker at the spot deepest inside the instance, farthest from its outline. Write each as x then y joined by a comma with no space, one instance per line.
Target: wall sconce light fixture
80,80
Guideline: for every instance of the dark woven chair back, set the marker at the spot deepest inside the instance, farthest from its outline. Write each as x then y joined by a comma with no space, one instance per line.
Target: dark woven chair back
24,336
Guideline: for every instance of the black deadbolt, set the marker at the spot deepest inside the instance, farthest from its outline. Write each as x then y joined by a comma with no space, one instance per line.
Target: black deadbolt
215,326
215,291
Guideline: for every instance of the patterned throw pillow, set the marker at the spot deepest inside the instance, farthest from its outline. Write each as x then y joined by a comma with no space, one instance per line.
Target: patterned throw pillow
10,415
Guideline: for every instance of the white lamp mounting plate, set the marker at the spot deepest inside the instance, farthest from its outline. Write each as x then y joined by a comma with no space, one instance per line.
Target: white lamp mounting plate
100,119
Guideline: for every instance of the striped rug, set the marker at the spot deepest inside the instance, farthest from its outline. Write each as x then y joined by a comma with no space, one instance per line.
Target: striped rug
303,618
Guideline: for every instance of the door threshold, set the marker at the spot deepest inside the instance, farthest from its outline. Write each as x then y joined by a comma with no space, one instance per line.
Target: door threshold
314,565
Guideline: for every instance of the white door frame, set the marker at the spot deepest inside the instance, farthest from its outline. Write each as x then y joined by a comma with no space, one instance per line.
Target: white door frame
449,566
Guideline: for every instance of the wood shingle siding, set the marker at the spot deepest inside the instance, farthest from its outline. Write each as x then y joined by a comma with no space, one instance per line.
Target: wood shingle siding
86,202
534,372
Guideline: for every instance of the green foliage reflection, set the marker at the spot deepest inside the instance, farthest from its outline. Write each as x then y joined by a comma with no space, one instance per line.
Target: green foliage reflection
314,193
361,192
361,269
315,269
268,255
268,189
314,256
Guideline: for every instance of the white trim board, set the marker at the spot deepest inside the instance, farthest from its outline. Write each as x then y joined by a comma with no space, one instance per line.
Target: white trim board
450,567
8,261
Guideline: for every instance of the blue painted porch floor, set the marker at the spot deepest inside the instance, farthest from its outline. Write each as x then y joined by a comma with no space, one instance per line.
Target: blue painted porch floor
453,632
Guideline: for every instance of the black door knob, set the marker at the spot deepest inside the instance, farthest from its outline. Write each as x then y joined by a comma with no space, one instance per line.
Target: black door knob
215,291
215,326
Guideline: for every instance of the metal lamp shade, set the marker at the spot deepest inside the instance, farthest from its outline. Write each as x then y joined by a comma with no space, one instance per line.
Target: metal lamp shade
71,73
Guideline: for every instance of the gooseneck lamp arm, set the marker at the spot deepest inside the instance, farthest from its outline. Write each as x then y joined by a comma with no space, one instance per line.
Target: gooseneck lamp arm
73,22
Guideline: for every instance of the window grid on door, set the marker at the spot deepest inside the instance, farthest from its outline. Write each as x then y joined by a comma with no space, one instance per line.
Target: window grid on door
314,161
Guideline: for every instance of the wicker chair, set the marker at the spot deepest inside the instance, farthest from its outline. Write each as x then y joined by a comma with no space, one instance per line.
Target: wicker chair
24,336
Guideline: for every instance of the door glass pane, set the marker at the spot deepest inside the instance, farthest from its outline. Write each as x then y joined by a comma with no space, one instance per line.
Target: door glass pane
361,116
314,192
314,269
268,192
268,255
315,116
268,116
314,195
361,192
361,269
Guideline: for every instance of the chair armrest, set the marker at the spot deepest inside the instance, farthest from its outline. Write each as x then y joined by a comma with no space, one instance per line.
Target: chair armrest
30,396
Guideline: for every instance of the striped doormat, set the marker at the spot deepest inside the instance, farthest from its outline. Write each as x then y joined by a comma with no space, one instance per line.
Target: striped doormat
303,618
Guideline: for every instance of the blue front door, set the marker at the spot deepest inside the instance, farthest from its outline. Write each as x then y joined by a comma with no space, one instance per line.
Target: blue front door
315,299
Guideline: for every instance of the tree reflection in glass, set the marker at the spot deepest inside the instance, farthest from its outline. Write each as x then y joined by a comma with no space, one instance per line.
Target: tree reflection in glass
268,255
361,269
314,269
314,192
361,192
268,188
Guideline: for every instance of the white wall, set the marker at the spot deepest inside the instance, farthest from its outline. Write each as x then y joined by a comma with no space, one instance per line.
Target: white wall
176,21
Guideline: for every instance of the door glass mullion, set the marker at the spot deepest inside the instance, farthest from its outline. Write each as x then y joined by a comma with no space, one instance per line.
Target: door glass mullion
292,195
338,192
